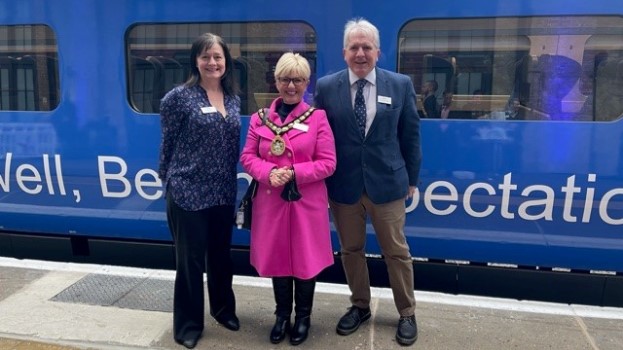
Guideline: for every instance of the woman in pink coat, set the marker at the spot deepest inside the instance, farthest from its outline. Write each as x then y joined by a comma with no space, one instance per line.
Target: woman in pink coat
290,145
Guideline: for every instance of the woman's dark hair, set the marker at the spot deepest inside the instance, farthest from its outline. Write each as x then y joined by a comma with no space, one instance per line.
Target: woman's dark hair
205,42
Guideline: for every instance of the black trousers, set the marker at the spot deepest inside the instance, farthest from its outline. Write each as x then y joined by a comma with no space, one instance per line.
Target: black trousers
202,243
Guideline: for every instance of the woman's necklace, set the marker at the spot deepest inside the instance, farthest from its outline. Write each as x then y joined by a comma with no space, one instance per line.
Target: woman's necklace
278,145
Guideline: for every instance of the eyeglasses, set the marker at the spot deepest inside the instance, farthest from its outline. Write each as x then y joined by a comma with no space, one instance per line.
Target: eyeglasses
287,81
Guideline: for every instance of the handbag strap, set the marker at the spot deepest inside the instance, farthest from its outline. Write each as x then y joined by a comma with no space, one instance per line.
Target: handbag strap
251,190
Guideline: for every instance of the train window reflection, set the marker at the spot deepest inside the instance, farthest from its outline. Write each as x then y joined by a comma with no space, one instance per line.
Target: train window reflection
158,58
544,68
28,68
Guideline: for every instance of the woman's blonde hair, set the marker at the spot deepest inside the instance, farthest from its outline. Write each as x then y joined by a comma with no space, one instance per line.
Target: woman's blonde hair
292,64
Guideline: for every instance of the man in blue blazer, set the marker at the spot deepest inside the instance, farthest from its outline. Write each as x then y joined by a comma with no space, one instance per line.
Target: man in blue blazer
373,115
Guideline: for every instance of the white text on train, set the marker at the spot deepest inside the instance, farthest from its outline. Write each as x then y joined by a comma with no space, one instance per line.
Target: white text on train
28,177
479,200
441,198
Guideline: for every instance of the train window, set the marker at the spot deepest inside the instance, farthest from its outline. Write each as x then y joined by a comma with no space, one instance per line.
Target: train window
528,68
158,58
28,68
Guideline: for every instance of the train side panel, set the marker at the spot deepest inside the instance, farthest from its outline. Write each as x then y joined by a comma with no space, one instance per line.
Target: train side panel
79,157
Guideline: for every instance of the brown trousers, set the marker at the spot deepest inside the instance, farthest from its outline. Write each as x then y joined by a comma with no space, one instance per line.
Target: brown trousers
388,220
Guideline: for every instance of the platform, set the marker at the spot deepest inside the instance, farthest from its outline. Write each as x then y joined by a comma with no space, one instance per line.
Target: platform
59,306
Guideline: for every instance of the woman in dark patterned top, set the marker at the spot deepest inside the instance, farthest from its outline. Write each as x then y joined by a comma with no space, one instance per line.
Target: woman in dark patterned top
198,156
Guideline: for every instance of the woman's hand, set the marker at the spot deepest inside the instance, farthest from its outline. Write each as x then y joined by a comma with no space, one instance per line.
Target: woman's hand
280,176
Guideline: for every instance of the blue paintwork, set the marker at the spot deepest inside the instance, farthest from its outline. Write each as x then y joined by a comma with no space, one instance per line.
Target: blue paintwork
93,87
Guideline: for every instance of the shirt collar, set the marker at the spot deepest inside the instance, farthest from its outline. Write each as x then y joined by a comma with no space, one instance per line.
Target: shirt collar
371,77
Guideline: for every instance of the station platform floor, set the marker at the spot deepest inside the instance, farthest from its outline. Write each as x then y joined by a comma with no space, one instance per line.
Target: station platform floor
63,306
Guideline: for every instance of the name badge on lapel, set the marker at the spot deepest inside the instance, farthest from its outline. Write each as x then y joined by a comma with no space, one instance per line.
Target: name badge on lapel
385,100
206,110
300,126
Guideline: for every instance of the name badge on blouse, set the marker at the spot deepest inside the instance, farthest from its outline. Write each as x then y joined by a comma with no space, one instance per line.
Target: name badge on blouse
300,126
206,110
384,99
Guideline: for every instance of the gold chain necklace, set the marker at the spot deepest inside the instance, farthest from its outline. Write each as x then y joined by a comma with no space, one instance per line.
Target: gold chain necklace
278,145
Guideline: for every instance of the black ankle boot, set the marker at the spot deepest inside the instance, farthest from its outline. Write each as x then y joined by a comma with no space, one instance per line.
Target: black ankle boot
283,288
280,329
304,299
299,332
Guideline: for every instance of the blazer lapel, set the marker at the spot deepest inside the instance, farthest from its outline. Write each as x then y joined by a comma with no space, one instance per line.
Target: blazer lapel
343,88
382,89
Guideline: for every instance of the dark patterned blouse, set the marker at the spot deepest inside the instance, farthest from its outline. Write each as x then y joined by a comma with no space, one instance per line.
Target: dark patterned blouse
200,148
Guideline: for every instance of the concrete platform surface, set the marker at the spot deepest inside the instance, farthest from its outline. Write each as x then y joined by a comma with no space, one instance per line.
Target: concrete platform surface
58,306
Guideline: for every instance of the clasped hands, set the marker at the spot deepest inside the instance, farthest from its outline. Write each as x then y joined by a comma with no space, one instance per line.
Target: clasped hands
281,176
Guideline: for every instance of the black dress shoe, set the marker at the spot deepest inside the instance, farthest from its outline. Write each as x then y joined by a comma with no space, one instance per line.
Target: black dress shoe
351,321
407,330
229,321
188,343
280,329
299,331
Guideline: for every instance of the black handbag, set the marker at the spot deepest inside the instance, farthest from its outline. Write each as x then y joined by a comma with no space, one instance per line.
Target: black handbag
245,209
291,192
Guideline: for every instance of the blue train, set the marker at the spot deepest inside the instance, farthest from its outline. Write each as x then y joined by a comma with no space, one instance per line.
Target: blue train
521,191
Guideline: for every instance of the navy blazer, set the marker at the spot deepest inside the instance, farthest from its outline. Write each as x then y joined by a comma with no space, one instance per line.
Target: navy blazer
387,161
